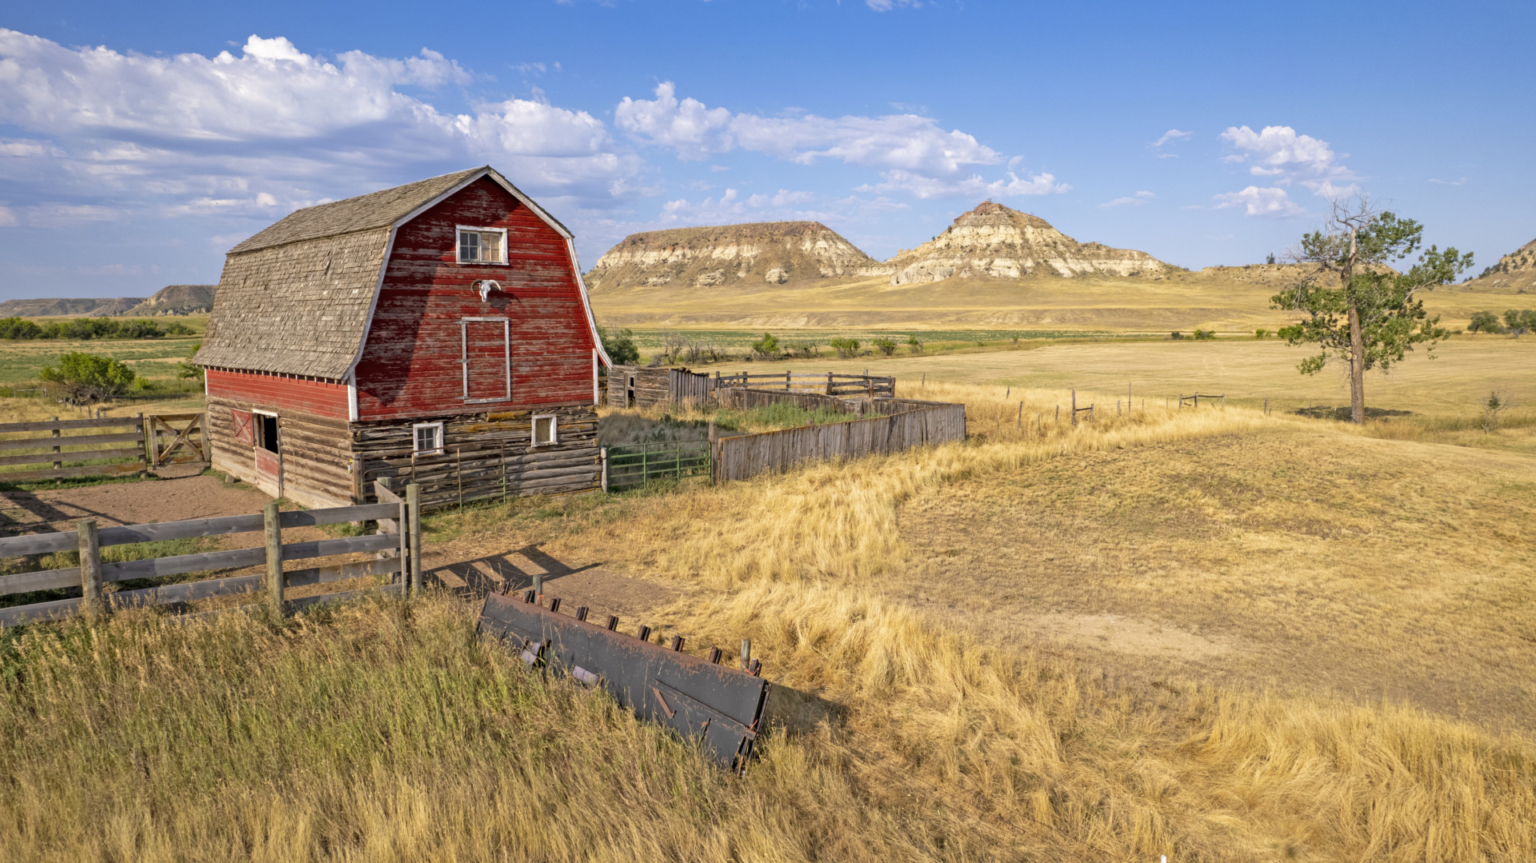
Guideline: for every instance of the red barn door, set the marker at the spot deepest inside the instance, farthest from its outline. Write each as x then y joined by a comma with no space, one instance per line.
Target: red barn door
486,354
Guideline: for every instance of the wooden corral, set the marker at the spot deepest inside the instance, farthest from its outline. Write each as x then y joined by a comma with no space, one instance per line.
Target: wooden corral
437,333
645,386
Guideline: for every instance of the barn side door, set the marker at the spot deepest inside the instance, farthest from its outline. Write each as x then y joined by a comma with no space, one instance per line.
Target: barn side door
485,352
269,456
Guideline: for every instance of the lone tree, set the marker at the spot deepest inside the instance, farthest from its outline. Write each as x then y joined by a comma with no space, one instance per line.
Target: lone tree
1356,308
82,378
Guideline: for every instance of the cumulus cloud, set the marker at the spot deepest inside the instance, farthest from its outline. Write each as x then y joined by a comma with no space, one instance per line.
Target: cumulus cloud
1135,200
913,153
732,207
1272,201
1283,156
274,127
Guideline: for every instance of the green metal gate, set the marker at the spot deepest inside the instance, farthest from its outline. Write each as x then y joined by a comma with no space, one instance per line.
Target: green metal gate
637,464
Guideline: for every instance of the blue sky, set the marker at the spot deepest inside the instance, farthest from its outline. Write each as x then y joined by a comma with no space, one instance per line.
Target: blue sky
139,142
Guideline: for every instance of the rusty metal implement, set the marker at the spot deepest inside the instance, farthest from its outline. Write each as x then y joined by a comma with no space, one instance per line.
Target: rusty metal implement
694,697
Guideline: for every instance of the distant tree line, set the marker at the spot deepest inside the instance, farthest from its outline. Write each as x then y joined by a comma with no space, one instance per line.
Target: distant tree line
86,329
1517,322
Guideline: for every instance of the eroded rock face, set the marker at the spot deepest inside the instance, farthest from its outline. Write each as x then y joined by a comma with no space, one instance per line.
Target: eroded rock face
775,253
1515,273
996,241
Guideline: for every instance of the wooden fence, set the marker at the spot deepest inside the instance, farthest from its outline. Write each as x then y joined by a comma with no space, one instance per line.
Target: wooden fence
107,446
913,423
637,386
397,546
485,472
826,383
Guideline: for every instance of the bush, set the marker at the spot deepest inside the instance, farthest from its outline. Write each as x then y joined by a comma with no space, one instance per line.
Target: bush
1204,335
1260,333
82,378
1518,322
886,346
19,329
1176,335
846,348
915,343
766,347
620,346
1484,322
189,370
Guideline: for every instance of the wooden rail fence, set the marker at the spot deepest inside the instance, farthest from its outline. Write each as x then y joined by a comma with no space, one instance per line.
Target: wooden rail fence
827,383
103,446
397,546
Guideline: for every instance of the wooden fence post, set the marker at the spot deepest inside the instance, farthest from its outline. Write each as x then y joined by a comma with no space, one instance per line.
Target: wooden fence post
148,427
746,652
1074,407
274,537
90,568
413,515
58,464
602,458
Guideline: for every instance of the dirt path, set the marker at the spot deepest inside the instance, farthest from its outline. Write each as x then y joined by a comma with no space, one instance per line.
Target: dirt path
126,503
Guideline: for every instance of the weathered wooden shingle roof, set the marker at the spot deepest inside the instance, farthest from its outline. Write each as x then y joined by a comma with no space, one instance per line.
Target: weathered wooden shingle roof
295,298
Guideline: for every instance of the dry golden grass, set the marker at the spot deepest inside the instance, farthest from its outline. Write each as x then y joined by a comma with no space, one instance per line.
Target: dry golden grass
1229,301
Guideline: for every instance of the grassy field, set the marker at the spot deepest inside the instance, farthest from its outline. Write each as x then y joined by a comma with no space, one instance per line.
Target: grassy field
923,706
1233,300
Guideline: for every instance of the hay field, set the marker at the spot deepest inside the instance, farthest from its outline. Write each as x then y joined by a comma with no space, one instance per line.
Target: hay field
1228,299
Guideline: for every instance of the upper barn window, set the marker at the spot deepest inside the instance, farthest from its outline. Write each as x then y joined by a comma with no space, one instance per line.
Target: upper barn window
482,245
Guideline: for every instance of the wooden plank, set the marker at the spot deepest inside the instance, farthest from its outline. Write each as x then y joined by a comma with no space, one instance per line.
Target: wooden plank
89,455
345,545
82,440
50,425
341,572
175,417
337,515
308,602
88,470
190,591
181,564
45,579
58,609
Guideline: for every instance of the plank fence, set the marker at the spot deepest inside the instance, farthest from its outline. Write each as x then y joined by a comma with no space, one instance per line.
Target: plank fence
907,423
397,546
827,383
109,446
640,386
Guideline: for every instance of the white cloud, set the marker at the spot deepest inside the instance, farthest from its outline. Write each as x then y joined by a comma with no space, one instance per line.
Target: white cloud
7,217
1272,201
888,5
1130,200
1461,182
1172,135
1279,153
274,128
732,207
912,152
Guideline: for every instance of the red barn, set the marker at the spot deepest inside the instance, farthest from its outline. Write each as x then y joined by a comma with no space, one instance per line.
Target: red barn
438,332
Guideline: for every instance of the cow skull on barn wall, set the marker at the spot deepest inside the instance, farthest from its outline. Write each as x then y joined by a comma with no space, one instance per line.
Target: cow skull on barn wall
484,288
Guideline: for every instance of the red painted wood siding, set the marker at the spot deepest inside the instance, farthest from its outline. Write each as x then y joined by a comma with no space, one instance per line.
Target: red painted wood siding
410,365
279,393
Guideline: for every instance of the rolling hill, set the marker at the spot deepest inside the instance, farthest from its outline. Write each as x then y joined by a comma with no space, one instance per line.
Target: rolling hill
762,253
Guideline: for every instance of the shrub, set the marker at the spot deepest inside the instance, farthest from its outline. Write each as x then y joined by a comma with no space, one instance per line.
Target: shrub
82,378
1484,322
915,343
620,346
886,346
1176,335
1204,335
188,369
766,347
1518,322
845,348
1260,333
19,329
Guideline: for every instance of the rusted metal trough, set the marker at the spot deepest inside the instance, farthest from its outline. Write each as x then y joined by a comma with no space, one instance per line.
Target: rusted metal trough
695,697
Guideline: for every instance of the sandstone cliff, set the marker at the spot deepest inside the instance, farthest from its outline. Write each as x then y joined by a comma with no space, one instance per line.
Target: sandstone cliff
93,307
997,241
771,253
177,300
1515,273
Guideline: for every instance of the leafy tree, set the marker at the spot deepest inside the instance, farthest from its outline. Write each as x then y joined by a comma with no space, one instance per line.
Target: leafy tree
1204,335
1371,317
1270,259
1176,335
620,346
188,369
1484,322
1260,333
845,347
19,329
886,346
84,378
767,346
1518,322
915,343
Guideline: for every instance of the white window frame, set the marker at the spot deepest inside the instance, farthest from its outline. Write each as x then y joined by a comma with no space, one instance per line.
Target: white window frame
554,429
506,340
458,245
416,439
258,437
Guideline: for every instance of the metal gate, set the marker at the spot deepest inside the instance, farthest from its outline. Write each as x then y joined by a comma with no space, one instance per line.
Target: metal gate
634,465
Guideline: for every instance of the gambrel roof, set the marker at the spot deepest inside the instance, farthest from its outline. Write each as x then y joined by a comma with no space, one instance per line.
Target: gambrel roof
297,297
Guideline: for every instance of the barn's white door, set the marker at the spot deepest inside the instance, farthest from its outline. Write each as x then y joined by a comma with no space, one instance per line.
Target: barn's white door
486,354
